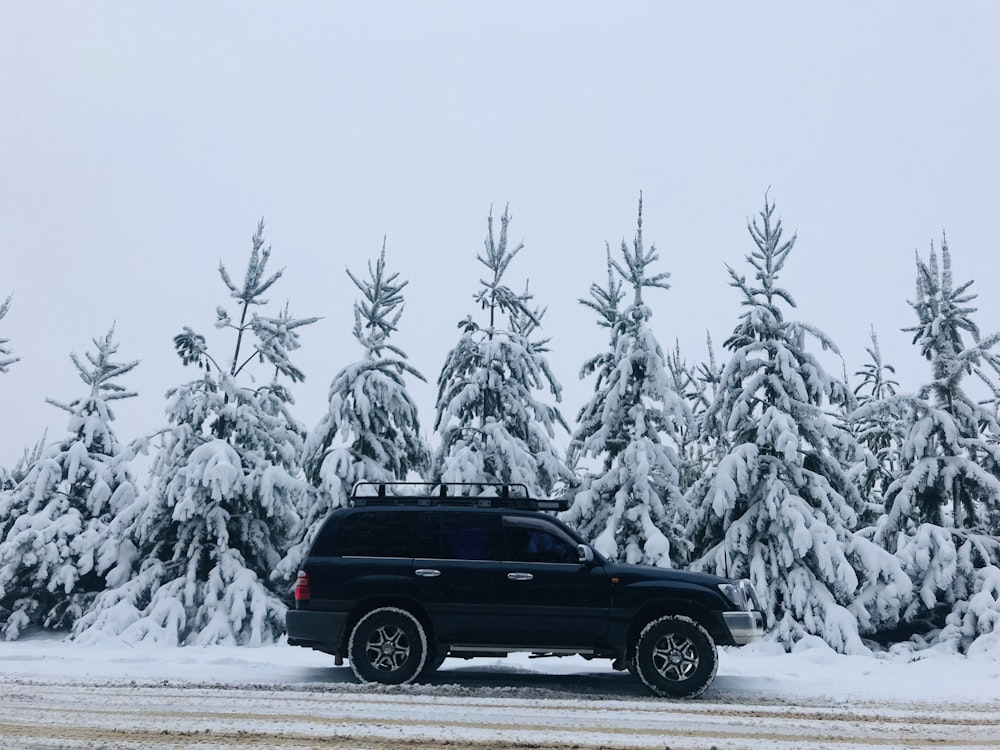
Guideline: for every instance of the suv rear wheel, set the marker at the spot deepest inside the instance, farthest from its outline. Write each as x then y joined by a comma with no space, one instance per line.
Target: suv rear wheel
676,657
388,645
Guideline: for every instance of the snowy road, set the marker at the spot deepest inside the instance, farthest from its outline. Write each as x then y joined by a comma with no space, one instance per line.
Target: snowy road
63,695
469,709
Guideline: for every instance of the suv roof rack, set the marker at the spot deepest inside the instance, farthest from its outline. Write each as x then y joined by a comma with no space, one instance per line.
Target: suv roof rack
514,495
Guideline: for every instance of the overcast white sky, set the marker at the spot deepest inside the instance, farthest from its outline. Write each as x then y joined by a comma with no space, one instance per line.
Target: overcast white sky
141,142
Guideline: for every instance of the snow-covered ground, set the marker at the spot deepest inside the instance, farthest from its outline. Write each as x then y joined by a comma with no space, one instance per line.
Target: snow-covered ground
59,694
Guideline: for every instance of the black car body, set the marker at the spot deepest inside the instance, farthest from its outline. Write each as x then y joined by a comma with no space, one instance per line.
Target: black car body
395,585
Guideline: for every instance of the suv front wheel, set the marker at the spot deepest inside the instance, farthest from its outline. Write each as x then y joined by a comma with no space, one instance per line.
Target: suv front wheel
388,645
676,657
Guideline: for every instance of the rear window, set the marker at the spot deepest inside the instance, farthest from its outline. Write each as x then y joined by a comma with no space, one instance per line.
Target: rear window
378,534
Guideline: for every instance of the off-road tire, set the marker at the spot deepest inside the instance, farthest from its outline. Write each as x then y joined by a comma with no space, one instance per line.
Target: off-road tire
675,657
388,645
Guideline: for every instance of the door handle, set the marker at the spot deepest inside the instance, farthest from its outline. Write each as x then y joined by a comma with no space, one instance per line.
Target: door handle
428,572
520,576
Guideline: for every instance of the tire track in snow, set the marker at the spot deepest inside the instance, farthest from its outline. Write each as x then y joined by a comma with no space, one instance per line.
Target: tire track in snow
51,715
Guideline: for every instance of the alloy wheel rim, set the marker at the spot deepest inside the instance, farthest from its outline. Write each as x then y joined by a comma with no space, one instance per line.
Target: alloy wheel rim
675,657
387,648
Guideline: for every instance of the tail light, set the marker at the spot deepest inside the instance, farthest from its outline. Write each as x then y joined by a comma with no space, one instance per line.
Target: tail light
301,590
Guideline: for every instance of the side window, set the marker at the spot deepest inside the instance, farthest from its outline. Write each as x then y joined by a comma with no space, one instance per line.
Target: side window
466,536
534,540
378,534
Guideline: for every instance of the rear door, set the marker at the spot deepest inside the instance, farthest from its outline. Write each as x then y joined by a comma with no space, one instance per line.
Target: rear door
549,597
366,553
457,576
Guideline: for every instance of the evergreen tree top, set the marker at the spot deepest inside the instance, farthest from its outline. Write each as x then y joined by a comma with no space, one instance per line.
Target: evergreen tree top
606,301
942,309
767,260
276,336
377,313
637,262
877,378
5,359
91,417
494,295
254,283
100,374
763,320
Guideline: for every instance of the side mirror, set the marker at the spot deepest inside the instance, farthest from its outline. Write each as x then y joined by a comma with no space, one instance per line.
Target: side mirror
586,553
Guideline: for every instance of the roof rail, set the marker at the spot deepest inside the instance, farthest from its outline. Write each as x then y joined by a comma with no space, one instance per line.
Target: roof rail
513,495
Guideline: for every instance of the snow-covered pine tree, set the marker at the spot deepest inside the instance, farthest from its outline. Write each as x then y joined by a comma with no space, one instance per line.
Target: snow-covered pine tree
371,431
6,360
713,443
878,430
493,428
217,516
631,506
953,436
781,506
606,302
942,514
10,480
60,509
684,381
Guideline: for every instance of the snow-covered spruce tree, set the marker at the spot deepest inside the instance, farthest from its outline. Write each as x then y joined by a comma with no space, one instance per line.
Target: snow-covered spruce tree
700,449
492,426
220,507
58,512
29,456
606,302
631,506
6,360
713,442
878,430
942,514
781,506
371,432
683,380
952,443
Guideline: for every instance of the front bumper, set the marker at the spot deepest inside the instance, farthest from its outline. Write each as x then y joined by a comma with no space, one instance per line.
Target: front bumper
744,627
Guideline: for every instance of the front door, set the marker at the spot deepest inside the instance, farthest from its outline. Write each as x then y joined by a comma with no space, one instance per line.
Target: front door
549,597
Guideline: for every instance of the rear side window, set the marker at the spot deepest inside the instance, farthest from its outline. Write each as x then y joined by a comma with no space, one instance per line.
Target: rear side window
461,536
379,534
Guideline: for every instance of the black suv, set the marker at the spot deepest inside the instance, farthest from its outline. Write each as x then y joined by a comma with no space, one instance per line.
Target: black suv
397,582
